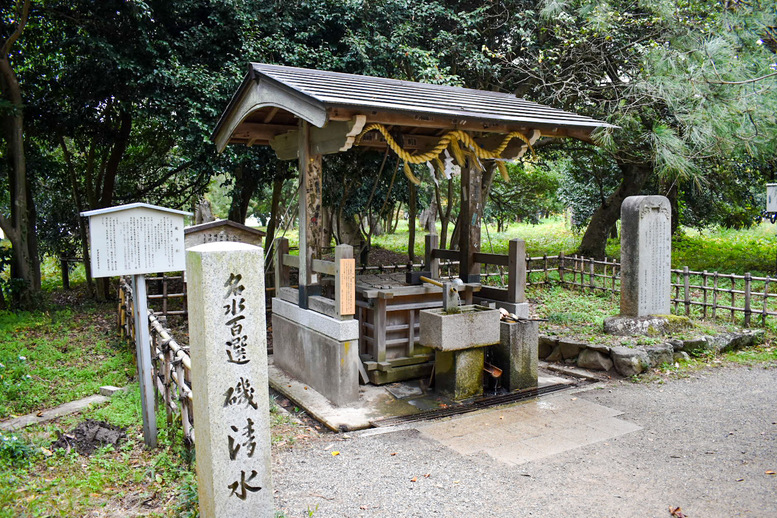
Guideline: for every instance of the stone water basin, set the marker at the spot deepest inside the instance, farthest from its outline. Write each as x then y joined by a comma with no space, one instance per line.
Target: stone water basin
472,326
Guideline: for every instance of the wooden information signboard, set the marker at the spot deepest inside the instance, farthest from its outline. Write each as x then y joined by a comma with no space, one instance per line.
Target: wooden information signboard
136,239
347,286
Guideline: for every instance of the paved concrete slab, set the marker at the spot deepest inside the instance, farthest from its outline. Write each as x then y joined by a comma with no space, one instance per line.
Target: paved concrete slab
529,431
375,402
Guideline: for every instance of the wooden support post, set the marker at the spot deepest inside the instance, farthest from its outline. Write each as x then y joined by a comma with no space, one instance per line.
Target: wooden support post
379,331
433,265
281,270
310,213
516,274
470,216
143,351
748,311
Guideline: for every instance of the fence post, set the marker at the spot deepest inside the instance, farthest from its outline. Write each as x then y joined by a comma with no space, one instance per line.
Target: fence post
281,270
561,268
432,241
748,281
704,289
545,267
591,277
516,271
687,291
733,298
714,295
766,299
614,274
164,294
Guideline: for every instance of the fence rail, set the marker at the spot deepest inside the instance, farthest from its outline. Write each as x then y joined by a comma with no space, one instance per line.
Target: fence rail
171,365
701,294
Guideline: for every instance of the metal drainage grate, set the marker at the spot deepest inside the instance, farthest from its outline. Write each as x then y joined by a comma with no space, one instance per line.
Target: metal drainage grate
464,408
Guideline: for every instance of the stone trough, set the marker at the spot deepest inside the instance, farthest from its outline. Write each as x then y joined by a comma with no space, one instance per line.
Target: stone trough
458,338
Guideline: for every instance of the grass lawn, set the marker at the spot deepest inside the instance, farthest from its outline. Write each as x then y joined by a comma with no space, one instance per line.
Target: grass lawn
58,355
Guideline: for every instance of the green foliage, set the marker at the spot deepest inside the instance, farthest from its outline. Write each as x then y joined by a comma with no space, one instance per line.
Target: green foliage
529,196
15,452
49,358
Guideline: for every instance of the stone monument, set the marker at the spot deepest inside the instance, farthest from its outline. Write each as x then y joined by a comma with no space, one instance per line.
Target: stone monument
646,256
228,339
646,253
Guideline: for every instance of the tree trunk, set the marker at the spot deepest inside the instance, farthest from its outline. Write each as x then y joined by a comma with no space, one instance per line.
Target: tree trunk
20,227
673,194
595,237
275,207
245,186
114,159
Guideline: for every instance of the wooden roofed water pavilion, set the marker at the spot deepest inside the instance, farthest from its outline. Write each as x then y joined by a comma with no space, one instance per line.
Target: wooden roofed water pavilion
304,114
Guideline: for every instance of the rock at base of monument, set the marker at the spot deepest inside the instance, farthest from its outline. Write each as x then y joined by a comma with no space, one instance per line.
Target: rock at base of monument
570,348
554,356
660,354
594,360
629,362
545,346
651,325
681,356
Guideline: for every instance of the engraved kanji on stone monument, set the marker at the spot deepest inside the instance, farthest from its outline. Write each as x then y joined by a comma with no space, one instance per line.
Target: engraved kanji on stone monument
229,371
646,256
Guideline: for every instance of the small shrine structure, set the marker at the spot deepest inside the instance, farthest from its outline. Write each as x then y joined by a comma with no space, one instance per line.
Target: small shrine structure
320,336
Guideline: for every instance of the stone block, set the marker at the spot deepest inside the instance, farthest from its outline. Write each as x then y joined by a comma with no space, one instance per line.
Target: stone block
545,345
660,354
570,348
555,355
516,354
693,345
594,360
109,390
340,330
604,349
628,361
681,356
320,361
646,253
635,326
459,374
471,326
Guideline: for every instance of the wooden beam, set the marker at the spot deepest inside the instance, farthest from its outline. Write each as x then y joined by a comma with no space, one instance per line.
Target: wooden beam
335,137
257,131
271,114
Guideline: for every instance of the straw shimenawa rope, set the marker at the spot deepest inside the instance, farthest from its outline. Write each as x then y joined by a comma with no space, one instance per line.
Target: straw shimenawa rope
452,139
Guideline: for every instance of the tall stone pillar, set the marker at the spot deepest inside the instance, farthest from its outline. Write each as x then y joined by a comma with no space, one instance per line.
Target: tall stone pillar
646,256
228,339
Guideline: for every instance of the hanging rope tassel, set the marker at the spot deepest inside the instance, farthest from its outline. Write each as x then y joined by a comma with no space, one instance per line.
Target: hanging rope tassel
503,171
410,176
458,154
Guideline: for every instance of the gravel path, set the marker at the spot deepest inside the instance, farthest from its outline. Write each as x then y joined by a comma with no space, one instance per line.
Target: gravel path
706,445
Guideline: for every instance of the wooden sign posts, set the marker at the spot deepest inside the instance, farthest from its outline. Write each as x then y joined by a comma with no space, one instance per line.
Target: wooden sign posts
136,239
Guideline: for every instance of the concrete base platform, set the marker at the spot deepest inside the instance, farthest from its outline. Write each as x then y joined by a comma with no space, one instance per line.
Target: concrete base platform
375,402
